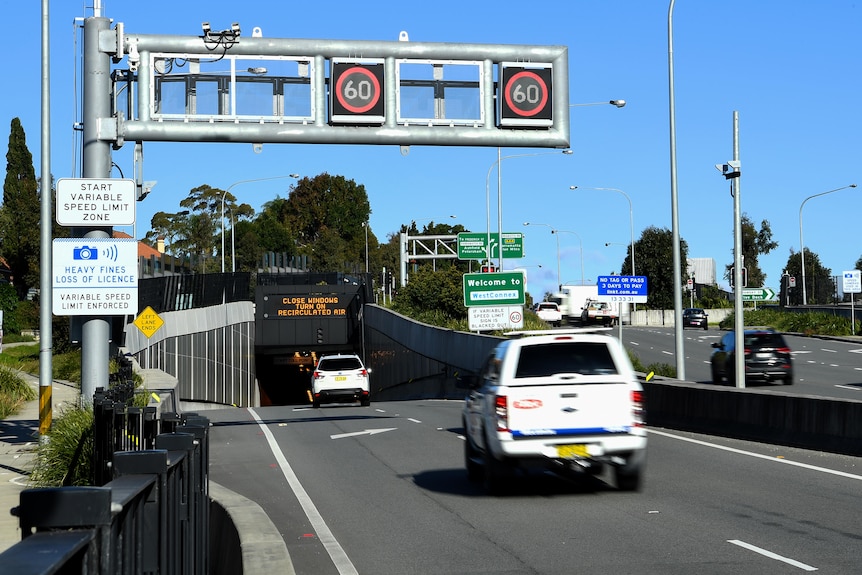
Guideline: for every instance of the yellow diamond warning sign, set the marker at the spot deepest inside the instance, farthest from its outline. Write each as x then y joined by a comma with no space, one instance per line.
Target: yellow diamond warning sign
149,322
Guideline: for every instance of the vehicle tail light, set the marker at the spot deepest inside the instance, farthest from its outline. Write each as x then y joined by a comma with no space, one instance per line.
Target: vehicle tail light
502,412
364,373
783,350
315,375
638,408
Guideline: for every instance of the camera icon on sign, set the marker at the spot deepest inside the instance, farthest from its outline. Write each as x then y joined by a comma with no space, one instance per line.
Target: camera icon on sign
85,253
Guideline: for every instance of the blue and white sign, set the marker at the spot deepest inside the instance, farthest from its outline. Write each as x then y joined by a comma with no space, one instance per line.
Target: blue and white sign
622,289
95,276
852,281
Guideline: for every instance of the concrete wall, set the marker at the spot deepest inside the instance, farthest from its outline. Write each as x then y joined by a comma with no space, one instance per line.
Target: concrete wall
665,317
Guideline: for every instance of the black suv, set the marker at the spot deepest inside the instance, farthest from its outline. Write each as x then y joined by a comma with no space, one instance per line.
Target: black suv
767,357
694,317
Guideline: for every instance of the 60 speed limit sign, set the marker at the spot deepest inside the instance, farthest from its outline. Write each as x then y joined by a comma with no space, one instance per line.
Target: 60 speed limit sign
526,95
356,92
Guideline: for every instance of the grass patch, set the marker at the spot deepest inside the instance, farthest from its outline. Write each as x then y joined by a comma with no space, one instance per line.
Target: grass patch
65,366
14,392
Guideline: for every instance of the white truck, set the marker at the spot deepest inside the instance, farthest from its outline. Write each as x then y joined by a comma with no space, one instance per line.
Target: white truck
569,402
571,300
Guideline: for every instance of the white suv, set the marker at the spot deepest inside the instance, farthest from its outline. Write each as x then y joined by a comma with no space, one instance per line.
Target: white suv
340,377
568,401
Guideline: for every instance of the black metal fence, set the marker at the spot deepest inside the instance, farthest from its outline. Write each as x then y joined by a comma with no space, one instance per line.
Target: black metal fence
151,517
190,291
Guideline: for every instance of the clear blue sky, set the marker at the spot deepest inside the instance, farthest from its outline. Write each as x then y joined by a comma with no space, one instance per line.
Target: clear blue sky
791,69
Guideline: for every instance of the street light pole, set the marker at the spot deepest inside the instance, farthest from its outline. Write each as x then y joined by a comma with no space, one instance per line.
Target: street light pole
224,195
500,200
581,245
679,346
559,281
801,246
631,217
557,232
365,225
631,228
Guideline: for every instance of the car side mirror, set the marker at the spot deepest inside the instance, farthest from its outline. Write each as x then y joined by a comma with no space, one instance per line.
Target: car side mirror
716,345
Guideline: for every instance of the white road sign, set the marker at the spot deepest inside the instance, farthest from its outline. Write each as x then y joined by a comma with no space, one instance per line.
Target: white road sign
95,276
491,318
95,202
852,281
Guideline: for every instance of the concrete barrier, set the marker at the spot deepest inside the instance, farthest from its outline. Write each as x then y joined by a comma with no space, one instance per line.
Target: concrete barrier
763,415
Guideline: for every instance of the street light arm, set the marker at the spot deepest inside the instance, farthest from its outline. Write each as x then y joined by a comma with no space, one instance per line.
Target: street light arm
631,217
500,196
617,103
224,195
801,245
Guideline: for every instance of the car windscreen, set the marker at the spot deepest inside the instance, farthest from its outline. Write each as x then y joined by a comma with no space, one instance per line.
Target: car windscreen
339,364
588,358
764,340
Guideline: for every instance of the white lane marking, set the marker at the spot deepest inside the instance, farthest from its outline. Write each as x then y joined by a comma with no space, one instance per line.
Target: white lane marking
828,350
855,350
772,555
413,420
366,432
336,552
758,455
668,352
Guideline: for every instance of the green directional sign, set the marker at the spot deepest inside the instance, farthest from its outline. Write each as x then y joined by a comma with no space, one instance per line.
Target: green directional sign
758,294
474,246
502,288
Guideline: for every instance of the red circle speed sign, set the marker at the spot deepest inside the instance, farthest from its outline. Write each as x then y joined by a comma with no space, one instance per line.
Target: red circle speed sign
526,93
357,89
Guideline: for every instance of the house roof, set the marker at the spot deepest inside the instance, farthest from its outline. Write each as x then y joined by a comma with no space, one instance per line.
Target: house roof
144,250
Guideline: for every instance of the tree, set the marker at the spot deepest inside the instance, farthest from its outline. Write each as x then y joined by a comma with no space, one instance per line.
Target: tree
654,252
326,215
19,215
170,227
754,243
819,285
202,224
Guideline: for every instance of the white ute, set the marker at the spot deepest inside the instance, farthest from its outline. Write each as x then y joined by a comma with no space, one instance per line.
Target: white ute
566,400
549,312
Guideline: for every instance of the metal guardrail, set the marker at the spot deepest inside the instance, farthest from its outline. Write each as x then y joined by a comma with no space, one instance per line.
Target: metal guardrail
151,517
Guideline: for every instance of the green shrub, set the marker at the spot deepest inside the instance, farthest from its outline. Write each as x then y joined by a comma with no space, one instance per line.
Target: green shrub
65,456
819,323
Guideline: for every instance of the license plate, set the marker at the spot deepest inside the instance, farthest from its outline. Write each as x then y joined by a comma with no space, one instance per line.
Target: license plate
572,451
340,378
